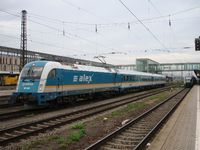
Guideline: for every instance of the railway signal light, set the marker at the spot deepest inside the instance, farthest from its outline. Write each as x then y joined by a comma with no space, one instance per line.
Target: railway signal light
197,44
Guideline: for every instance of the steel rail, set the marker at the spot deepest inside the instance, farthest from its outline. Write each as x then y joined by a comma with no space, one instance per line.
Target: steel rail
21,131
140,132
22,112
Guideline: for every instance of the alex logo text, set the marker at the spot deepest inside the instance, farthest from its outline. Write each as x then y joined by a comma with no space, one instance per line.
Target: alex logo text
82,78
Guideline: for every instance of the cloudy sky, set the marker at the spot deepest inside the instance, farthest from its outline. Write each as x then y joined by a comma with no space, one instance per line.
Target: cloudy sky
157,29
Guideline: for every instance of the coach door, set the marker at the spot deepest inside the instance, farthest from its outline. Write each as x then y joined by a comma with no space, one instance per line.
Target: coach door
117,79
59,83
54,81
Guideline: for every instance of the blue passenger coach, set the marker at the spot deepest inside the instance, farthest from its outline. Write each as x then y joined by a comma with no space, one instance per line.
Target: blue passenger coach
46,82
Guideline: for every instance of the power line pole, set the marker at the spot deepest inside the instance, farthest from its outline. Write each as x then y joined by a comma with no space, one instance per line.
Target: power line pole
23,44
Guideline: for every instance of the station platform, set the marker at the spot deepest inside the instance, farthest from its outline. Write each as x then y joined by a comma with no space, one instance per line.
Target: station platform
6,92
182,130
5,96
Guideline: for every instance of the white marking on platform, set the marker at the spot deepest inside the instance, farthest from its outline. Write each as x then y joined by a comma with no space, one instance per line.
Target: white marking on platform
197,145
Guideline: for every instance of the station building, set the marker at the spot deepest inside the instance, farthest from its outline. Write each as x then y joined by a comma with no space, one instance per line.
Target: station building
10,63
177,71
10,59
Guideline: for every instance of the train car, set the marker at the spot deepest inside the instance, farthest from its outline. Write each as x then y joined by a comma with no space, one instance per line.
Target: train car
191,80
188,81
47,82
135,79
169,79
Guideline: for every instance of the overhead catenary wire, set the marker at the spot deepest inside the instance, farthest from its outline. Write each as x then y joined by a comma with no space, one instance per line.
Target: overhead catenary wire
10,13
117,23
153,35
58,30
41,43
86,54
82,9
70,34
53,28
155,8
103,24
176,13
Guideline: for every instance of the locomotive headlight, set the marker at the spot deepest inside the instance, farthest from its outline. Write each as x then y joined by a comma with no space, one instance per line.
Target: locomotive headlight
40,87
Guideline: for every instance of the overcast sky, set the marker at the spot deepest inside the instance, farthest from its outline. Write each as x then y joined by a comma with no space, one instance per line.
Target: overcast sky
88,28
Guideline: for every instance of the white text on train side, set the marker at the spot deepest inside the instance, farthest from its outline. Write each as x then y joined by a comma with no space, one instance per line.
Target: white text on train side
82,78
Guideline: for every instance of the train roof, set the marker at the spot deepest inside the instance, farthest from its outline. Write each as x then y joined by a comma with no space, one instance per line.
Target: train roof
133,72
91,68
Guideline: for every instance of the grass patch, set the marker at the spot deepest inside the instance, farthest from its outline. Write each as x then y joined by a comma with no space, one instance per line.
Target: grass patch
159,97
37,143
128,108
78,126
76,133
76,136
140,105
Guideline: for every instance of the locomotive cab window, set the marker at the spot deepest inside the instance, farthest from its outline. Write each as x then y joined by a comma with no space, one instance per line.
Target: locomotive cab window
52,74
32,72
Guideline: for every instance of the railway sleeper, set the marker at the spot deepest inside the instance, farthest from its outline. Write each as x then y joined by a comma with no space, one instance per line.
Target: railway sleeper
139,125
135,131
60,120
78,115
130,138
106,148
19,132
131,133
35,128
27,130
55,121
118,146
42,125
10,135
48,123
68,117
124,142
3,138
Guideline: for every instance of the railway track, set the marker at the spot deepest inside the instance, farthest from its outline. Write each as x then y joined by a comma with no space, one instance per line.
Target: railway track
22,131
24,112
8,87
4,101
5,106
136,134
21,113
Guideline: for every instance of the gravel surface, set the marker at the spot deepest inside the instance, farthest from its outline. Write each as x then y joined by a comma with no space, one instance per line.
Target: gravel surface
32,117
96,127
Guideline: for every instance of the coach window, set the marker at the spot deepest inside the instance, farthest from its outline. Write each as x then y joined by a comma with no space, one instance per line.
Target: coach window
52,74
126,78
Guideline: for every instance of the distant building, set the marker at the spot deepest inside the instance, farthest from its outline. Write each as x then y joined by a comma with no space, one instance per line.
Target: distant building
143,65
10,59
9,63
175,70
147,65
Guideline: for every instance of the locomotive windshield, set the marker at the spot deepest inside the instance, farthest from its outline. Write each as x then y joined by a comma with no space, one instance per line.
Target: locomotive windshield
32,72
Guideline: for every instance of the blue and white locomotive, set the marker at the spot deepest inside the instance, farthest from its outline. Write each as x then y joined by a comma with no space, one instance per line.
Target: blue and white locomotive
46,82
